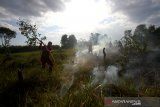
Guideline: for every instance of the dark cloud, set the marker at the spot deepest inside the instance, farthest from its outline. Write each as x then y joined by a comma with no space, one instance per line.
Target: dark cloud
154,20
137,10
30,7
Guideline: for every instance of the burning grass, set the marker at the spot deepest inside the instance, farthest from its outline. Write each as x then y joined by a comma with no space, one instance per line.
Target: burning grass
70,83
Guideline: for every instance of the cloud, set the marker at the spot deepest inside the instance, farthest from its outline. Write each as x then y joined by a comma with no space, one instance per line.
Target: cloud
29,7
137,10
155,19
109,17
3,23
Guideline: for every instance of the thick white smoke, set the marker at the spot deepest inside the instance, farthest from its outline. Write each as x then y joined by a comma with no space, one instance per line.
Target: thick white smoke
83,57
102,76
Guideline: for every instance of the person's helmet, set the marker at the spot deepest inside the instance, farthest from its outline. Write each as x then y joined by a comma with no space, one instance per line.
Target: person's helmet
50,43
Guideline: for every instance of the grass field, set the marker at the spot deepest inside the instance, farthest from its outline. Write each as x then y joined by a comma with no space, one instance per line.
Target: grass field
41,88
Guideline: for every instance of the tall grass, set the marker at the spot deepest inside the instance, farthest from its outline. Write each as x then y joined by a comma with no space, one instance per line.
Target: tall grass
41,88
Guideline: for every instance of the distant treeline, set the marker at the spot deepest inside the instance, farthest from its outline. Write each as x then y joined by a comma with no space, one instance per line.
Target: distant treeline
16,49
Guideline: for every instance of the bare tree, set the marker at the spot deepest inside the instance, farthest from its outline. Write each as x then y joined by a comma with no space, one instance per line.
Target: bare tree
30,32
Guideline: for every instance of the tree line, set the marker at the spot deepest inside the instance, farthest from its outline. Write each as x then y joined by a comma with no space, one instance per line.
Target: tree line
142,38
29,31
26,48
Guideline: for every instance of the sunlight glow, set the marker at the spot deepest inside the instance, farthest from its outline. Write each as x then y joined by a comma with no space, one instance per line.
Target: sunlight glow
79,16
84,15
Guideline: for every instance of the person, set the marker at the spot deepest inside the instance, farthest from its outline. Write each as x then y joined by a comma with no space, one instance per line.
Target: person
104,54
46,57
110,45
104,58
90,47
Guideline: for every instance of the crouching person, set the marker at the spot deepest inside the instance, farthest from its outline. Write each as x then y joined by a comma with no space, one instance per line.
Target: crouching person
46,56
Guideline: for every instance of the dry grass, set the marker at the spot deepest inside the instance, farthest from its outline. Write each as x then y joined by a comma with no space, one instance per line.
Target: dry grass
42,89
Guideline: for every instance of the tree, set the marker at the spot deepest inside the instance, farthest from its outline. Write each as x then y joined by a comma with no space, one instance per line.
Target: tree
157,36
140,36
72,41
94,38
140,31
30,32
151,29
136,42
128,39
64,40
153,36
68,42
6,35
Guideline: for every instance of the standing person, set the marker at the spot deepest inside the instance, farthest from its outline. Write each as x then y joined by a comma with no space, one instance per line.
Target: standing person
46,57
90,47
104,54
104,58
110,44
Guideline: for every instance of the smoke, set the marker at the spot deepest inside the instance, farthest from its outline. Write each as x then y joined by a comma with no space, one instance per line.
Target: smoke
100,73
106,71
102,76
68,77
66,86
144,68
109,62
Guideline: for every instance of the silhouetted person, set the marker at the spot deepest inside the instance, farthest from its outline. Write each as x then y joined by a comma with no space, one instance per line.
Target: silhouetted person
104,57
110,45
90,47
46,55
104,54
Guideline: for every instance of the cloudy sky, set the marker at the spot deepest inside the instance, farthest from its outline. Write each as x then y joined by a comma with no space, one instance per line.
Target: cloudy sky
79,17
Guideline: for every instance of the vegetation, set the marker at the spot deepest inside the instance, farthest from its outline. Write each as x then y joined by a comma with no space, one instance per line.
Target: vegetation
59,88
18,49
6,35
30,32
68,42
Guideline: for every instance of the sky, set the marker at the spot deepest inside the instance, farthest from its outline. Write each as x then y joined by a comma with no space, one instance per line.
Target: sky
79,17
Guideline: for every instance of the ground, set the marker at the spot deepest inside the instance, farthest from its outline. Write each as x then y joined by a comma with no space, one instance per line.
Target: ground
40,88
